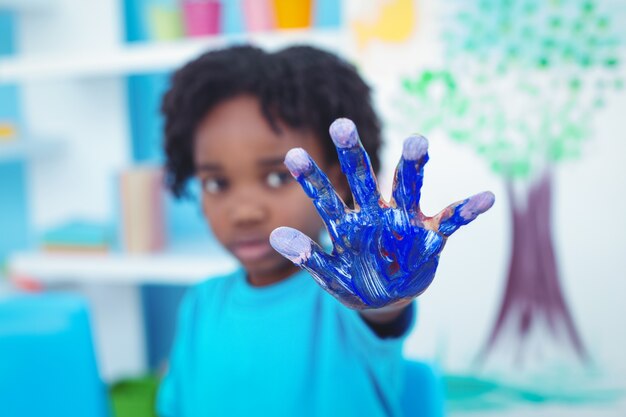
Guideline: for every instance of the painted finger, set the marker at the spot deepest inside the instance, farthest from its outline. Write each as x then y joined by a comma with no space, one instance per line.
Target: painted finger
355,163
463,212
318,187
410,173
308,255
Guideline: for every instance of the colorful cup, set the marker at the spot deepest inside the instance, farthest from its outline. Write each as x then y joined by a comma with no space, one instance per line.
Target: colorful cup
202,17
293,14
165,23
258,15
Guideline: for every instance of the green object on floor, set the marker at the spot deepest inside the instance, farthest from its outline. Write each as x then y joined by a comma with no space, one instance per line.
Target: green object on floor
135,397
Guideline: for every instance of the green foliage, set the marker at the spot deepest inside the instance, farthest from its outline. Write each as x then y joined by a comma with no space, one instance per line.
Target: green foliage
523,79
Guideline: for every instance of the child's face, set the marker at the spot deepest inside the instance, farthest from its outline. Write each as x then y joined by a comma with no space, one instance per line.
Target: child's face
247,191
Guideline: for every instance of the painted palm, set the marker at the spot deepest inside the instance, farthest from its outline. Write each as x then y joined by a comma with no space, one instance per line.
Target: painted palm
384,253
522,83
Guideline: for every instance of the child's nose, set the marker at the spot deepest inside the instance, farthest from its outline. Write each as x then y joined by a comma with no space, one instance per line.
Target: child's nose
247,213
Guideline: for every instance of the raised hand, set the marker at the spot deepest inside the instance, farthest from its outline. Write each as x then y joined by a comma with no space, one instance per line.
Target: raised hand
383,253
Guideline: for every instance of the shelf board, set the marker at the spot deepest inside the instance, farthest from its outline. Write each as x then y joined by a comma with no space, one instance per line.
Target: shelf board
150,57
26,5
158,268
26,149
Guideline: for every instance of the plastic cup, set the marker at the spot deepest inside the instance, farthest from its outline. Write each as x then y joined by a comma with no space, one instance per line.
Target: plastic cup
202,17
293,14
258,15
165,23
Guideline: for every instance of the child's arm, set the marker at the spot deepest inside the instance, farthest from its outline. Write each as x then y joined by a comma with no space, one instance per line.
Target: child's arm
384,254
390,321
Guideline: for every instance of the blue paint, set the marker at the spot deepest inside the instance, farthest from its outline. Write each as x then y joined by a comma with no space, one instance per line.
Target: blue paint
318,187
382,253
410,174
462,213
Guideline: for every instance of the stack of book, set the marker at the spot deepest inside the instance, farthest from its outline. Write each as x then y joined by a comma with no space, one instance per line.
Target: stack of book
78,236
142,209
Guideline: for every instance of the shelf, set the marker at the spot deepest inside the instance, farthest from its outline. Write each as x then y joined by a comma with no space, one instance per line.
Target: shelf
20,149
25,5
142,58
160,268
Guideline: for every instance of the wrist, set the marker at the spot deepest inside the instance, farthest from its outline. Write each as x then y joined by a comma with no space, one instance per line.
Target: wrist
385,314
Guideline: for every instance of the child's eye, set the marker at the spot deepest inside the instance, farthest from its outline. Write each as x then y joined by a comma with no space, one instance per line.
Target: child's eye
277,179
214,185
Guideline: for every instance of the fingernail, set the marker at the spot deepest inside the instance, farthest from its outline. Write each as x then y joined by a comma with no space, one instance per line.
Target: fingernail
298,162
343,133
292,244
477,204
414,148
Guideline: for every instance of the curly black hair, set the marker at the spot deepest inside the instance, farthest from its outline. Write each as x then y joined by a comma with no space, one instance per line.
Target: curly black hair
304,87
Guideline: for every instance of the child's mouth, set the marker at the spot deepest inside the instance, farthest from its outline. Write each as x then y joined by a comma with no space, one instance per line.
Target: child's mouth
251,250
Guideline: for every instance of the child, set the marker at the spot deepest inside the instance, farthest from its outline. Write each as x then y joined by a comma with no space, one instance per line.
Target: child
266,339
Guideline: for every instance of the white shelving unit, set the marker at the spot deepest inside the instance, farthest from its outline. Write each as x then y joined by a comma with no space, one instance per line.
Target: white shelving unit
29,149
151,57
71,70
27,6
158,268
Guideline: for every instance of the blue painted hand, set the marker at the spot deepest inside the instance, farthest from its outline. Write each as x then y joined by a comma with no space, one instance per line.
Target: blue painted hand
383,253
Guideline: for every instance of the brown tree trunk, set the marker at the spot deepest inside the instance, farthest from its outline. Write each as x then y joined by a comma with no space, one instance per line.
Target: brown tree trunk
533,298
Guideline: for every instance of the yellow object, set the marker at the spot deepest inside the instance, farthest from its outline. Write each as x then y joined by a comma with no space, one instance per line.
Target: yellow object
394,23
293,14
7,132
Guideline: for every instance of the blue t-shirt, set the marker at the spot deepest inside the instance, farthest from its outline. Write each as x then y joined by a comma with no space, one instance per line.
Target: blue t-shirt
288,349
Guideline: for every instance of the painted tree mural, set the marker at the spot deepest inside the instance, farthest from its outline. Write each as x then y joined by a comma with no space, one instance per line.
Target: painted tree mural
521,84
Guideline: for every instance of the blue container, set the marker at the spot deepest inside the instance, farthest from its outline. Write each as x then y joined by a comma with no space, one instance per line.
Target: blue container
47,361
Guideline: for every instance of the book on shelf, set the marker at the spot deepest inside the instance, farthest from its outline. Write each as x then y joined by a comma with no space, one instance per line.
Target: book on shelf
142,209
78,236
